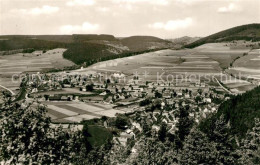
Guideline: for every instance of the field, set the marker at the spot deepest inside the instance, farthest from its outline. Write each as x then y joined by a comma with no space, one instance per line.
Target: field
70,112
248,66
14,65
149,65
201,63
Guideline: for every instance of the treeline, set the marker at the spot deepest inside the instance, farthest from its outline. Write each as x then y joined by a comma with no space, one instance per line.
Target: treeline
89,37
239,112
91,53
244,32
26,43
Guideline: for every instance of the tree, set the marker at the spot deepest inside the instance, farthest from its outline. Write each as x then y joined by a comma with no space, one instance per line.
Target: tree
198,149
108,81
27,136
184,125
249,151
162,132
121,122
90,87
152,151
145,102
198,99
221,137
158,95
174,94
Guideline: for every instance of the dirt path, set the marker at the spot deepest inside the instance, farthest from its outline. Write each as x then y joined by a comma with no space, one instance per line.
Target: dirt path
225,89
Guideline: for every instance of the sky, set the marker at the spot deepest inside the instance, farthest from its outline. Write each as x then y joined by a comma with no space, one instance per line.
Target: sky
122,18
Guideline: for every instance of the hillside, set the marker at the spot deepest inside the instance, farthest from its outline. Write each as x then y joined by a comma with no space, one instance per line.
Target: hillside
90,37
86,52
141,43
84,48
184,40
14,43
244,32
239,112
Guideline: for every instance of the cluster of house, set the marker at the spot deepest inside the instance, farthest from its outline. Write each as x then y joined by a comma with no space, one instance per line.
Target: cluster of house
168,112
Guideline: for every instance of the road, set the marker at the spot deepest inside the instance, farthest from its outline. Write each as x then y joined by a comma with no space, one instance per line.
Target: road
225,89
1,86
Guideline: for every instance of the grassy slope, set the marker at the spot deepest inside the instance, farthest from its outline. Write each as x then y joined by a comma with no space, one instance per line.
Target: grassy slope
244,32
240,111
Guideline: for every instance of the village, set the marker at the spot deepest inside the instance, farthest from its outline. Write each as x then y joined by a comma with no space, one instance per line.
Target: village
140,103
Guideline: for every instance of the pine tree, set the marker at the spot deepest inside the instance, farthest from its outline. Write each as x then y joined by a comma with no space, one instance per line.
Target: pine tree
162,132
153,152
198,149
220,136
249,151
184,125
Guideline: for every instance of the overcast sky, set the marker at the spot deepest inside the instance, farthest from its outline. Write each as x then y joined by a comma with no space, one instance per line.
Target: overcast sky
161,18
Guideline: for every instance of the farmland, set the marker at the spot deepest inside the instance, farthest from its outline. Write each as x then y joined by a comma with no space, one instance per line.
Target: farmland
70,112
202,62
248,65
17,64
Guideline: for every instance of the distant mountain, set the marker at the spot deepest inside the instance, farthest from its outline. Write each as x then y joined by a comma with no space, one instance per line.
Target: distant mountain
184,40
141,43
54,38
84,48
244,32
134,43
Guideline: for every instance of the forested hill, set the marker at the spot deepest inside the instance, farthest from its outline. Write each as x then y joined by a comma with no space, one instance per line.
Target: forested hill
244,32
133,43
85,48
239,112
142,43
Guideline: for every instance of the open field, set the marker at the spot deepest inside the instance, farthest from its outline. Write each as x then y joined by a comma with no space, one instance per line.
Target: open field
156,63
66,111
248,65
17,64
206,60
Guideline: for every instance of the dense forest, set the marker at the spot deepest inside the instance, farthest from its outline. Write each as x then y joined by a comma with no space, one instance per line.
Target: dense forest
244,32
239,112
15,43
90,53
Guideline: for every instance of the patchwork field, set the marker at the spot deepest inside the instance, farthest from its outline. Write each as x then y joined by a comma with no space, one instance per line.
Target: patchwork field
149,65
66,111
29,62
248,66
202,63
